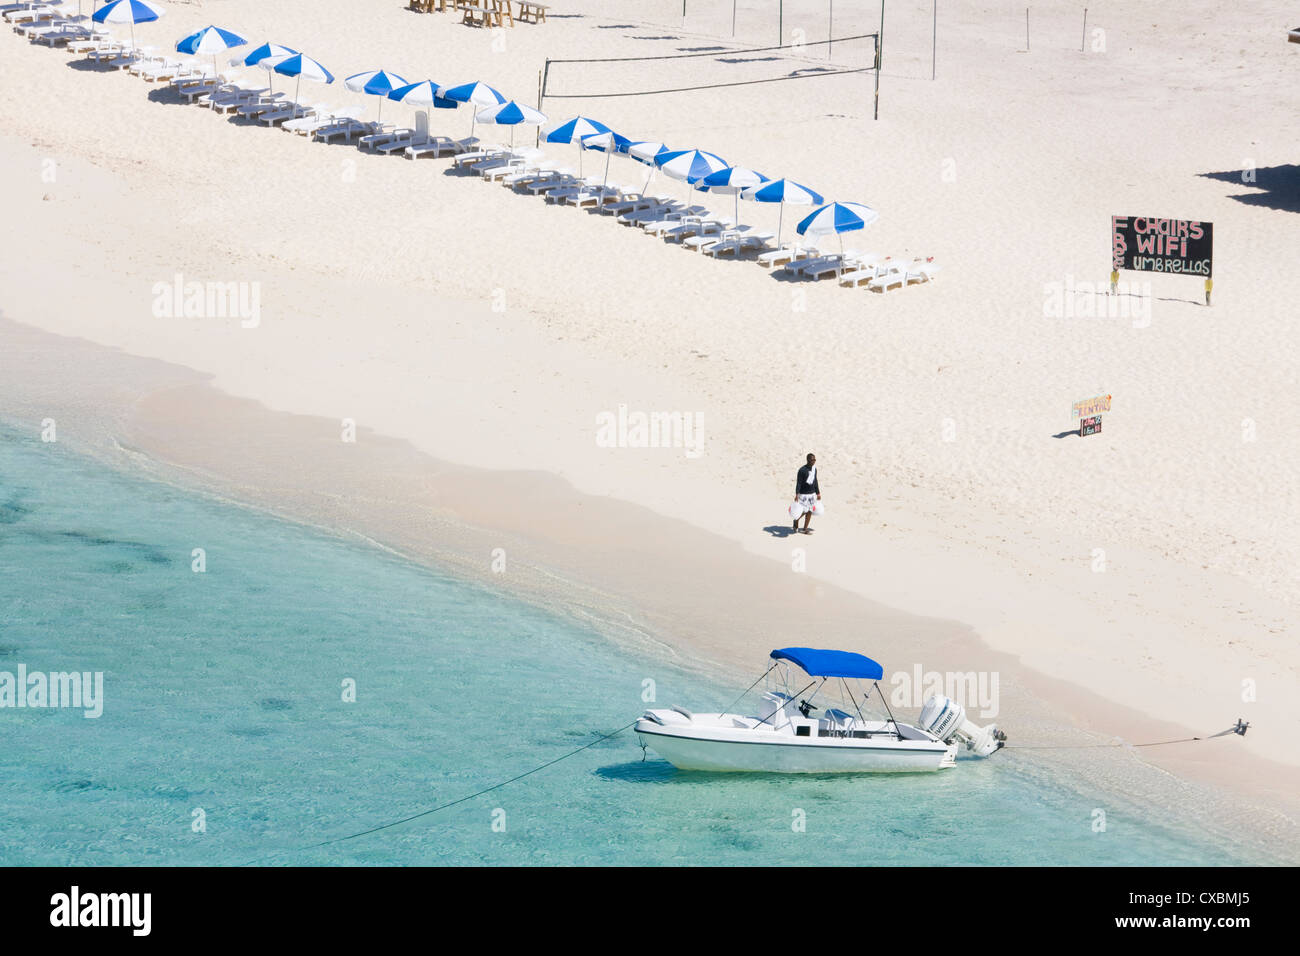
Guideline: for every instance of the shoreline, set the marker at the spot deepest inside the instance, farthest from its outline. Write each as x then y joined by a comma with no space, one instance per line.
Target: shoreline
169,424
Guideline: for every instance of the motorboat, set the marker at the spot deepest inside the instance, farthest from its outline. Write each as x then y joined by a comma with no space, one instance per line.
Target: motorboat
789,734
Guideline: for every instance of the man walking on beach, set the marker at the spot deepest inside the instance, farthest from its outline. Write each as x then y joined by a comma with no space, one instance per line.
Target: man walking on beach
807,492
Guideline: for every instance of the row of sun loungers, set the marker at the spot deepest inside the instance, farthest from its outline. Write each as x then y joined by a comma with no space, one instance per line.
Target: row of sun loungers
524,169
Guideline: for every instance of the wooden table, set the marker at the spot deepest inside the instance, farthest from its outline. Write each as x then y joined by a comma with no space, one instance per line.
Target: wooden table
531,12
502,10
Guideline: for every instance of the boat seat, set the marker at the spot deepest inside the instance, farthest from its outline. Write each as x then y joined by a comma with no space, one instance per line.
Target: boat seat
837,719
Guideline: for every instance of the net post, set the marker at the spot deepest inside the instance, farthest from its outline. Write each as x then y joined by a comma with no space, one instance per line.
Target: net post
876,114
880,55
543,75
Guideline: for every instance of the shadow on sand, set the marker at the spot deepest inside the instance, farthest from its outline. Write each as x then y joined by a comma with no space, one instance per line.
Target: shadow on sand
1275,187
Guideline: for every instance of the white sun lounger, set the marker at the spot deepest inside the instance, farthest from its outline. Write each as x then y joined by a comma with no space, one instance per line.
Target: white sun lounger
32,14
268,103
864,269
921,271
438,146
672,219
739,242
346,129
832,263
325,117
895,275
546,181
818,266
693,226
166,70
288,111
69,35
783,256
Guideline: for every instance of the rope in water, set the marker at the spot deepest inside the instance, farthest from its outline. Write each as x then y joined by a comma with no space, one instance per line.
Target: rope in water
442,806
1239,729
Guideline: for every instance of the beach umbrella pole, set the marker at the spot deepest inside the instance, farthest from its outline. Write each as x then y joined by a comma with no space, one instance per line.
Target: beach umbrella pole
779,217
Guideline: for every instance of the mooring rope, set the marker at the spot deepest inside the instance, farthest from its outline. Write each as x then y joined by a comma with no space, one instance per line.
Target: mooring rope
1239,728
442,806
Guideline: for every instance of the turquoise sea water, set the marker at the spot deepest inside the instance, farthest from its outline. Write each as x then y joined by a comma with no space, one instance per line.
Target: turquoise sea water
223,693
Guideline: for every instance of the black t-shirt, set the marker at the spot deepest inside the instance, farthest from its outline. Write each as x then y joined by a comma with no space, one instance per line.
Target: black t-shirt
801,485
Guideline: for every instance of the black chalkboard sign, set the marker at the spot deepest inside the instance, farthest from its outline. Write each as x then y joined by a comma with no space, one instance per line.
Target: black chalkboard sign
1144,244
1089,426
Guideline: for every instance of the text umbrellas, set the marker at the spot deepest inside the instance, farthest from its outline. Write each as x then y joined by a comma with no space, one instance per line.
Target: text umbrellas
267,51
572,131
511,114
476,94
375,82
210,40
298,65
733,179
782,191
128,11
607,143
837,218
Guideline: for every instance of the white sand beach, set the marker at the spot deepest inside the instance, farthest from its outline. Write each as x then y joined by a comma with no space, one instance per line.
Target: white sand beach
1144,579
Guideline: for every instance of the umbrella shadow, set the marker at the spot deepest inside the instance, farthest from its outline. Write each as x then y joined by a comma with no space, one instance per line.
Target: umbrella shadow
1275,187
87,65
166,95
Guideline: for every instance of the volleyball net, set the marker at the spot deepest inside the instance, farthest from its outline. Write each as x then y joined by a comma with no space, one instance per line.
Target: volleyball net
714,68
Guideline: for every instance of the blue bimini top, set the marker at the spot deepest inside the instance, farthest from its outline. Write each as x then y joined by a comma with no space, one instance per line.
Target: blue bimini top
819,663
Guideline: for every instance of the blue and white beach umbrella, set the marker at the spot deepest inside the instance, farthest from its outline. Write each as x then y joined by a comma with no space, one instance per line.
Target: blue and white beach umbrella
476,94
211,40
572,131
267,51
644,151
298,65
511,114
424,93
734,180
608,143
783,191
689,165
128,11
378,83
837,218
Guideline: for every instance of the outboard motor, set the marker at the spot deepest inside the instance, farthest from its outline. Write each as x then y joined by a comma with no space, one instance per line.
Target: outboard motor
946,719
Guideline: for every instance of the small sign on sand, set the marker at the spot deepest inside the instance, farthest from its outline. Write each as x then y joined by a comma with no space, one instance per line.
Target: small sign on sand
1090,406
1089,426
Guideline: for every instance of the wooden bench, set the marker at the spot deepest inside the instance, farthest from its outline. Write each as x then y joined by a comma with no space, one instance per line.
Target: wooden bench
530,12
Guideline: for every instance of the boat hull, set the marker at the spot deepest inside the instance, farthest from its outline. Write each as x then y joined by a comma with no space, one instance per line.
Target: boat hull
784,753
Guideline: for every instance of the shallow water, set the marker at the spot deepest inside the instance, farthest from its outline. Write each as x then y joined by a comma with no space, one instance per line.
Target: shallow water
224,694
